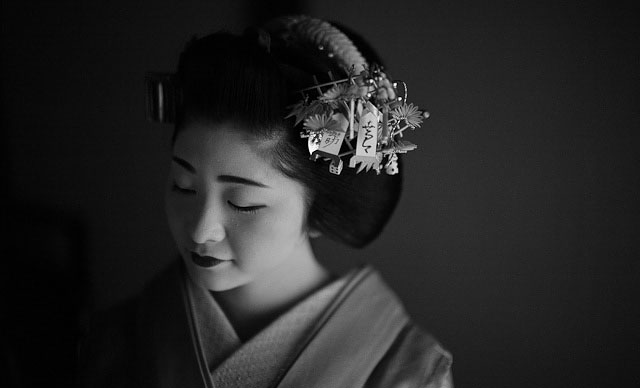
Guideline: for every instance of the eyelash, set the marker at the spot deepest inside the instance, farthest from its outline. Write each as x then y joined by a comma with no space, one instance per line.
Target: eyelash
245,209
239,209
182,190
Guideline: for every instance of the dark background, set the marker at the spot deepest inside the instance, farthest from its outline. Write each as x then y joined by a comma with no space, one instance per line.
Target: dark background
516,241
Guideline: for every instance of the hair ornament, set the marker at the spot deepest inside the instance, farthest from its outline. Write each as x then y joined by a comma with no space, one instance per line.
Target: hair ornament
325,37
362,116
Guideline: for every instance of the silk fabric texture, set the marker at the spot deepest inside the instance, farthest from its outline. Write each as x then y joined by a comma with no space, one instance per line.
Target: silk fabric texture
353,332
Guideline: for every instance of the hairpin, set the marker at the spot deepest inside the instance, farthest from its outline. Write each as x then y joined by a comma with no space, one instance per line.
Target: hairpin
365,112
160,97
363,115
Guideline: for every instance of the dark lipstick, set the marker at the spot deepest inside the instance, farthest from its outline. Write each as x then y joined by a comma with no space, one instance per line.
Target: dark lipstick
205,261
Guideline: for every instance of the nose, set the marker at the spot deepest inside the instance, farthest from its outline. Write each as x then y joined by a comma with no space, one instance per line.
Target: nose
207,226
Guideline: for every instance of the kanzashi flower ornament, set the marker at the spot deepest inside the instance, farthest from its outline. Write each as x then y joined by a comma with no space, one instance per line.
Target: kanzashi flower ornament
362,115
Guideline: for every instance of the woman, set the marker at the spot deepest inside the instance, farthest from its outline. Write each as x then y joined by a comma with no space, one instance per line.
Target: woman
248,304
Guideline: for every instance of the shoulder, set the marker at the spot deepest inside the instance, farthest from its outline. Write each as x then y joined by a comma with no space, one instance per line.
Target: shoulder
105,349
118,322
415,359
110,341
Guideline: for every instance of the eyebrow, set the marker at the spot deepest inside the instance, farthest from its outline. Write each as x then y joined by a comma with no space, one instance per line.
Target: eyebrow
184,164
241,180
221,178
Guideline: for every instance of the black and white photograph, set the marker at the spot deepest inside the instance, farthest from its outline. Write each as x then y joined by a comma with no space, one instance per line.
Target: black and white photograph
320,193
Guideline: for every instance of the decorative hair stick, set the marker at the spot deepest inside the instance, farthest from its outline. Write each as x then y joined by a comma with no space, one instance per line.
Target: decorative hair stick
366,102
352,107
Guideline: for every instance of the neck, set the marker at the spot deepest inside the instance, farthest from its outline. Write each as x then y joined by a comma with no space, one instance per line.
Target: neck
253,306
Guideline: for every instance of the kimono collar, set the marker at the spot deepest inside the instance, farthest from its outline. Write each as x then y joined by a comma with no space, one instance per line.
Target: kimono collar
265,356
356,329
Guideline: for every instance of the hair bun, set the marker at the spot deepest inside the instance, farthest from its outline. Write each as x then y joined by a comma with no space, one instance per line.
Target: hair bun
260,36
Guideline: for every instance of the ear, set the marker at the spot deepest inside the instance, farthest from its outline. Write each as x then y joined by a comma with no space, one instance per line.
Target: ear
314,233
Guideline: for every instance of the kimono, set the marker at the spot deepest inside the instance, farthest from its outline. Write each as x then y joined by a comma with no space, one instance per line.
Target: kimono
353,332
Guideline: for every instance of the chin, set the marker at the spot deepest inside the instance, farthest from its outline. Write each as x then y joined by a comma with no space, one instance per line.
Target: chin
217,280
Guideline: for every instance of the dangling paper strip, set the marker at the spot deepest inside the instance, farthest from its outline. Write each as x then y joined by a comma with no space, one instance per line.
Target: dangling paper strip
367,142
368,132
332,140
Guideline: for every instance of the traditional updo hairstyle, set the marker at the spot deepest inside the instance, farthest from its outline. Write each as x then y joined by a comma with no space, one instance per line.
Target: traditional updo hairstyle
250,80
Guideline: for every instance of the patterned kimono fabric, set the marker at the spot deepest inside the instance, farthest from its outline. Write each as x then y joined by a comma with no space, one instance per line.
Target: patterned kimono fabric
261,360
351,333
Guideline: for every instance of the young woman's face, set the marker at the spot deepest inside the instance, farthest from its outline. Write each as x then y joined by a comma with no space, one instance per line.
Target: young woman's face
234,217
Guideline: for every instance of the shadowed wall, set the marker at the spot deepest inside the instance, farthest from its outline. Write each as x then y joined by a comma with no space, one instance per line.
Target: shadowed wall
515,242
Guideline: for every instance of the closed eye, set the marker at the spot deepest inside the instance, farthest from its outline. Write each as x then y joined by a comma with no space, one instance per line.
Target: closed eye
245,209
182,190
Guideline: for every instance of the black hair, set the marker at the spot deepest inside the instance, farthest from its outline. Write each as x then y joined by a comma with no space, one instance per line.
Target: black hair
229,78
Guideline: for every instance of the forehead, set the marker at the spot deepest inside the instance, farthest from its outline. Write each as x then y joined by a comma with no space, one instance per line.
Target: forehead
225,149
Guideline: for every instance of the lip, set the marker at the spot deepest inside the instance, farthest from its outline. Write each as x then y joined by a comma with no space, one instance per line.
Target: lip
205,261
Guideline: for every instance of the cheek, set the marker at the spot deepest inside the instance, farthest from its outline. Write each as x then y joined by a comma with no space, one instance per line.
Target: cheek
266,240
